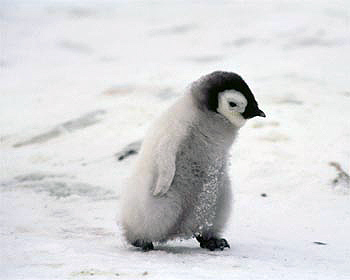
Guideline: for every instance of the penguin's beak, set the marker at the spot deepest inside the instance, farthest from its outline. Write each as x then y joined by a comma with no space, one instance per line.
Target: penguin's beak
261,114
256,112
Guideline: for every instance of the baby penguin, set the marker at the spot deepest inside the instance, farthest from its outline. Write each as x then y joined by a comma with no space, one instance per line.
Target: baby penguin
180,187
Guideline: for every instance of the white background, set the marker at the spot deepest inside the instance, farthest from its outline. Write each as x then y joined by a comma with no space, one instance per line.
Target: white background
80,80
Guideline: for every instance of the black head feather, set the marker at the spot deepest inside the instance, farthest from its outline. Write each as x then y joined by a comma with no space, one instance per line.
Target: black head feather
208,87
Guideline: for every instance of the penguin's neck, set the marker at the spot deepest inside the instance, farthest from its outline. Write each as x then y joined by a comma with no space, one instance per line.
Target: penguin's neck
216,129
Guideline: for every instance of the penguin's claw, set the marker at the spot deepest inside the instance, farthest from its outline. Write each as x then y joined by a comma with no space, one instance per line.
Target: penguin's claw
213,243
144,245
147,247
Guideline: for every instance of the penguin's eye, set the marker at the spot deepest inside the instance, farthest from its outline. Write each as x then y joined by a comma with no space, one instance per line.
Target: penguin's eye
232,104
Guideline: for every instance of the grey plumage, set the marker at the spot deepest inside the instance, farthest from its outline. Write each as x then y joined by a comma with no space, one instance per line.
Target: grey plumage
180,186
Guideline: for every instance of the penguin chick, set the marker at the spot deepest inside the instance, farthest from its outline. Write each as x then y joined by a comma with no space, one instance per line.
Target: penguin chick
180,186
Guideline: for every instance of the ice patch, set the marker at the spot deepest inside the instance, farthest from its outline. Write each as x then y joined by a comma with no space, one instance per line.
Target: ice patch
43,183
129,150
84,121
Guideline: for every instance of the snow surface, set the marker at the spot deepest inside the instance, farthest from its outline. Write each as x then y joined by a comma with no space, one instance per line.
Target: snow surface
81,80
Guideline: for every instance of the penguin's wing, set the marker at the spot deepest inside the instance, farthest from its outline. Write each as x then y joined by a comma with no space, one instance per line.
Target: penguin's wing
171,131
165,166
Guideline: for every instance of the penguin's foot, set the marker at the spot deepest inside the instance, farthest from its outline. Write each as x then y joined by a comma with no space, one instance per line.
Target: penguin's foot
144,245
213,243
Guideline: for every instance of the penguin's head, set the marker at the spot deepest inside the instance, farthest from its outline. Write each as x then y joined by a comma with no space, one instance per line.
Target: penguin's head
226,93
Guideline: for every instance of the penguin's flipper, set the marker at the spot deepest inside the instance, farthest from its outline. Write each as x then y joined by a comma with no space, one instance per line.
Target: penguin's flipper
165,167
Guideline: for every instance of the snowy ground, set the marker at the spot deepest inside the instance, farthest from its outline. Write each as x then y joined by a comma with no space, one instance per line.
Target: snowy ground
80,81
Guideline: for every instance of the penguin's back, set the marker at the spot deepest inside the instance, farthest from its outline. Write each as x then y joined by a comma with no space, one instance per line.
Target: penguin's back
141,209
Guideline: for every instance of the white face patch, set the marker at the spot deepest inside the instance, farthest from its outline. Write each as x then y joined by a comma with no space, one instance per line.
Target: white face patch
231,104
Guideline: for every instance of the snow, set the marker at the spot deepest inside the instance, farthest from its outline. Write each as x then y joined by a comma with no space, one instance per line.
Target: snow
81,80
